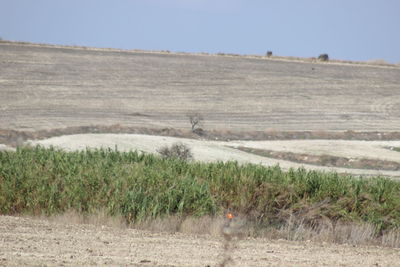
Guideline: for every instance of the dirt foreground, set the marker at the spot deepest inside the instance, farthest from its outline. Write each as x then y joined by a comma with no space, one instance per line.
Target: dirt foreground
34,242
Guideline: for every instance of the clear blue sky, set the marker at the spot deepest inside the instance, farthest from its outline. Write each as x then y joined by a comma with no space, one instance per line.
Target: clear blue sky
345,29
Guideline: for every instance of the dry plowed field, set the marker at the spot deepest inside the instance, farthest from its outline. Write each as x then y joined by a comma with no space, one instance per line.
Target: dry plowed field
45,87
30,242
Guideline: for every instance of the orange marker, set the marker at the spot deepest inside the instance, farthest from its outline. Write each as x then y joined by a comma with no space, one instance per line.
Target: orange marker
229,216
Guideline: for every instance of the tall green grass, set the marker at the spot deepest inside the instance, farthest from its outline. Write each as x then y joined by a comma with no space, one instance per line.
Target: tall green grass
139,187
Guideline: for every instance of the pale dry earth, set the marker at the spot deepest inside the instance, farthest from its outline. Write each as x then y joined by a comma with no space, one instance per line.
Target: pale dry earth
211,151
33,242
379,150
45,87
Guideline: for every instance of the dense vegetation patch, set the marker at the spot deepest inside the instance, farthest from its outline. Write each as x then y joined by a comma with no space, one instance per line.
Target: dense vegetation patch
139,187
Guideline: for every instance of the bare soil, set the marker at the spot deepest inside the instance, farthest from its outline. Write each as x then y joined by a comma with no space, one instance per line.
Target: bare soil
33,242
44,87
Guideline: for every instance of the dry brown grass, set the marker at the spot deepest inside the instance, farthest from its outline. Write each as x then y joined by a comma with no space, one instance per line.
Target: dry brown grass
231,231
378,62
169,224
98,218
202,225
354,234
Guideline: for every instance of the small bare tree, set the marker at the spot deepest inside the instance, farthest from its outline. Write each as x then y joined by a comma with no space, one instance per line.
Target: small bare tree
195,119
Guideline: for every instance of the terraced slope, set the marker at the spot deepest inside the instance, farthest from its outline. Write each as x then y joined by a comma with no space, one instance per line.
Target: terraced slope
45,87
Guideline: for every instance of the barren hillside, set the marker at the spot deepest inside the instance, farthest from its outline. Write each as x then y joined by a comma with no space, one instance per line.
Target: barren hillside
46,87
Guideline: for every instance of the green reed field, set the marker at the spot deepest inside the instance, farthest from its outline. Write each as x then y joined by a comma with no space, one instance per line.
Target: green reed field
41,181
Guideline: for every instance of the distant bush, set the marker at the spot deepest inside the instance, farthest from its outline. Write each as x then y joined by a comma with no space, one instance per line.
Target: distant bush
323,57
269,54
177,150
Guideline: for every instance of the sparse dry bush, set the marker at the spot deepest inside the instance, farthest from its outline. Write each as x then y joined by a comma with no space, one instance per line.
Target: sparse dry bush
99,217
176,150
170,224
391,239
